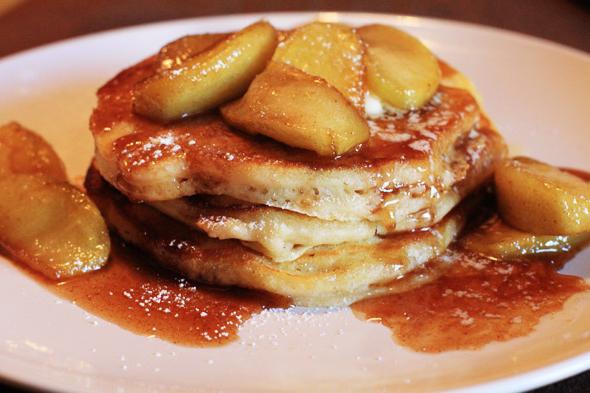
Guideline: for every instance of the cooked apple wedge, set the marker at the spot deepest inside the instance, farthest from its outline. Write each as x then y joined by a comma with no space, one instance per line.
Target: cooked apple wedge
400,69
51,226
298,109
331,51
539,198
177,52
23,151
208,79
499,240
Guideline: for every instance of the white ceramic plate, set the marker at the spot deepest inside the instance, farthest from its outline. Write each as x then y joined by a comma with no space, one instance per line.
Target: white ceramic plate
537,93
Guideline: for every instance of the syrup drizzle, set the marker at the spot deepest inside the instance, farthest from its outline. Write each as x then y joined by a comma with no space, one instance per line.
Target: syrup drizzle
148,301
477,301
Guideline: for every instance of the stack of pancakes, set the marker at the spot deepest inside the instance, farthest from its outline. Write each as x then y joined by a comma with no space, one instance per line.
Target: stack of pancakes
228,208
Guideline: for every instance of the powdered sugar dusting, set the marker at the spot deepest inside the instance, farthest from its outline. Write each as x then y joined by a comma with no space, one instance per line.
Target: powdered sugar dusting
417,128
420,145
395,138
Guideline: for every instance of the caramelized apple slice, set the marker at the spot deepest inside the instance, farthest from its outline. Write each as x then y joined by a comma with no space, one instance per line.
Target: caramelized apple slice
400,69
539,198
498,240
53,227
208,79
331,51
23,151
177,52
299,110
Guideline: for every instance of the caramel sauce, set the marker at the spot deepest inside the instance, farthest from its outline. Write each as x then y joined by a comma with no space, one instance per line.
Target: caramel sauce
464,300
446,69
145,300
461,300
578,172
478,300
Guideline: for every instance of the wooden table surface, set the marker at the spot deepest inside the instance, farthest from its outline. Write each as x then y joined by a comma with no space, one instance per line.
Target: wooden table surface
26,24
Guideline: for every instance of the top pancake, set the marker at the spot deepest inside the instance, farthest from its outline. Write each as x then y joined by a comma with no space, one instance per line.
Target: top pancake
152,161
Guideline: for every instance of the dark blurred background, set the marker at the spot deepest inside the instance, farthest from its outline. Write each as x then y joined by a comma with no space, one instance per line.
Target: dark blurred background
28,23
25,24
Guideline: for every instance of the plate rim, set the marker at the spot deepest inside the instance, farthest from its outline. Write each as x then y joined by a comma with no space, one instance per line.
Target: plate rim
528,380
523,37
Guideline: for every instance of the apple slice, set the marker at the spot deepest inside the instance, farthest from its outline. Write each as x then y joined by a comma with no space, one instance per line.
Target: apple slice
499,240
400,69
539,198
177,52
208,79
51,226
298,109
331,51
23,151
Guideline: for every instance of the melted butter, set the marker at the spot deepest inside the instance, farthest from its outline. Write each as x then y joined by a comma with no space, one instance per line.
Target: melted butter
373,106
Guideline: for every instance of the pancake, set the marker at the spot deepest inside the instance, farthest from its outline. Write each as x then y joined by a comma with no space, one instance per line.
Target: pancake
284,235
279,234
328,275
408,158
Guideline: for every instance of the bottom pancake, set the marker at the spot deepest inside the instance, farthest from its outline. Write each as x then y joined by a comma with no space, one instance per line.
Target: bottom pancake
324,276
